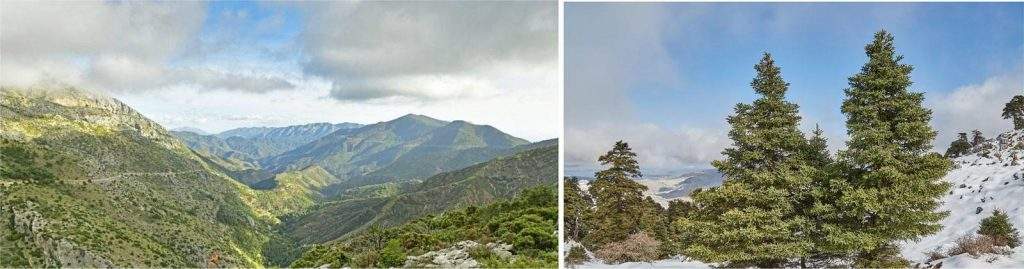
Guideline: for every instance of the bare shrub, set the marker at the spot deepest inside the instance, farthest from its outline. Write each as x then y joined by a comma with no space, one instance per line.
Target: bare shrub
934,255
638,247
976,245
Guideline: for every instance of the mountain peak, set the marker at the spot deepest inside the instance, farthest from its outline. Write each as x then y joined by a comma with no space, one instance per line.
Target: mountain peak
190,130
416,117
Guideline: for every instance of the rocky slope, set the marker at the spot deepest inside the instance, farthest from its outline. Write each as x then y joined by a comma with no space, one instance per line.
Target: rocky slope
89,182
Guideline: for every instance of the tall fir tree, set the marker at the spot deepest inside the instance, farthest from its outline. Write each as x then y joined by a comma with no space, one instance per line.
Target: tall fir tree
619,201
578,206
890,183
755,217
1015,110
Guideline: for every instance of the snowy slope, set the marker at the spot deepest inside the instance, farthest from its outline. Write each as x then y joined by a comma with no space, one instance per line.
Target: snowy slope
987,181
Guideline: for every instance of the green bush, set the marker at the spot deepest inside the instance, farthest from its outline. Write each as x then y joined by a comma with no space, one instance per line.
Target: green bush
535,238
320,255
998,227
393,255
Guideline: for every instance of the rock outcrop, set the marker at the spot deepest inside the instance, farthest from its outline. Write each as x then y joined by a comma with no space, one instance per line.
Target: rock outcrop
457,256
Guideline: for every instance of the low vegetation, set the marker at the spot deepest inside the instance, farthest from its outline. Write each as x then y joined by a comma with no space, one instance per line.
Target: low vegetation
527,222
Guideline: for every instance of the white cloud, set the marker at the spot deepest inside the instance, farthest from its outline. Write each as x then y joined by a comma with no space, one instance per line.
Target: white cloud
659,150
426,50
530,113
977,106
485,62
110,46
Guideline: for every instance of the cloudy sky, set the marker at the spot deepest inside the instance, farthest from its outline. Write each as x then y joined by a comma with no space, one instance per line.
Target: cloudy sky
664,76
227,64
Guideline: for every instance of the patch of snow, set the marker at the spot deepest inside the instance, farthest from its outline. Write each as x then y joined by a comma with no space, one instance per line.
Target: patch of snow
1015,260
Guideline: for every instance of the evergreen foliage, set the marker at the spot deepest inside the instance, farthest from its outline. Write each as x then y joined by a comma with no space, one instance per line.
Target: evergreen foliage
578,204
998,227
889,183
959,147
576,255
1015,110
757,217
977,138
619,201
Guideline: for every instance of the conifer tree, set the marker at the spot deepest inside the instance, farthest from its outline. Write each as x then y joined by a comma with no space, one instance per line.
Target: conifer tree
1015,110
999,228
755,218
578,206
619,201
890,183
977,138
817,148
959,147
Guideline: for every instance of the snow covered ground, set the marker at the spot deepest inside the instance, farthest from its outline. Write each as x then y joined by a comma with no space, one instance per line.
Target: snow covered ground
989,183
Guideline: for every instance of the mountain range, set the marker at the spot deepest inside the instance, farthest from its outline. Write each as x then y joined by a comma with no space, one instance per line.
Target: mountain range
89,182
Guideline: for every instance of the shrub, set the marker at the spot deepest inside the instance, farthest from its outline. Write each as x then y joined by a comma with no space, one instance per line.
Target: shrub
393,255
576,255
975,245
935,255
998,228
638,247
320,255
535,238
366,259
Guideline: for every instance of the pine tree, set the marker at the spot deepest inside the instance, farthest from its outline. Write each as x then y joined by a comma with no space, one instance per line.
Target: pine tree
817,148
652,220
959,147
890,182
578,206
619,201
1015,110
977,138
998,227
755,218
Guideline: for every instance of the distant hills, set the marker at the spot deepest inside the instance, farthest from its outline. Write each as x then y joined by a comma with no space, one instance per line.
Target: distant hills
253,143
484,183
409,147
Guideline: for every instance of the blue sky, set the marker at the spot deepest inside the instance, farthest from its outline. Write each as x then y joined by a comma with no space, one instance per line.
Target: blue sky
683,67
225,64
